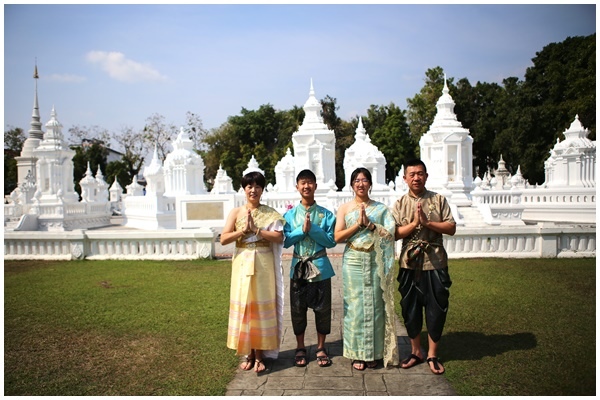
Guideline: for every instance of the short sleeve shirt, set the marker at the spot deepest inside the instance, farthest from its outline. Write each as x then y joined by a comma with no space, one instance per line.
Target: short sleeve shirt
437,209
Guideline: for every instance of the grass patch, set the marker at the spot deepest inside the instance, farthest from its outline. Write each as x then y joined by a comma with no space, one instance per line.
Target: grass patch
117,328
515,327
521,327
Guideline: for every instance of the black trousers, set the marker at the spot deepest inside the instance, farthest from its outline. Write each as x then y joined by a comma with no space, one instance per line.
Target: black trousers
315,295
427,290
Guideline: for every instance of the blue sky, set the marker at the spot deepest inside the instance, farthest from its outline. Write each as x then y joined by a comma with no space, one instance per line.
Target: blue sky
116,65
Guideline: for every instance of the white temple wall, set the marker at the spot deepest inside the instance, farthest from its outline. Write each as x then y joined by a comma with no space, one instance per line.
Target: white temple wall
110,245
540,241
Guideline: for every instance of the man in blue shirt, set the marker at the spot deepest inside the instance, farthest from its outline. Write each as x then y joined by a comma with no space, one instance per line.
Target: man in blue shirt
309,229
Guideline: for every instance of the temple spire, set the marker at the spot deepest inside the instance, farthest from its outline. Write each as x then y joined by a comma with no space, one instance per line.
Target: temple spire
36,124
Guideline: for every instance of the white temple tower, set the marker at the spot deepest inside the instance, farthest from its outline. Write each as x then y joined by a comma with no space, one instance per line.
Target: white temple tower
155,177
54,168
26,161
184,168
285,174
363,153
314,144
572,162
447,150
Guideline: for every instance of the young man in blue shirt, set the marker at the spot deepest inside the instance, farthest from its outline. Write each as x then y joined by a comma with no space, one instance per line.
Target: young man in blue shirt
310,229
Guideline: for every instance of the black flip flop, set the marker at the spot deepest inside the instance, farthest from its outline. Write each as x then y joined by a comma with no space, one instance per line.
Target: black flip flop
412,356
436,365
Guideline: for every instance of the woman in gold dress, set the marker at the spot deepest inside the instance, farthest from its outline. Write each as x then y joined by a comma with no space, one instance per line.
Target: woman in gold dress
256,296
367,227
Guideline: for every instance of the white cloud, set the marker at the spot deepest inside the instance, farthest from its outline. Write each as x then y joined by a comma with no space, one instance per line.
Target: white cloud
122,69
64,78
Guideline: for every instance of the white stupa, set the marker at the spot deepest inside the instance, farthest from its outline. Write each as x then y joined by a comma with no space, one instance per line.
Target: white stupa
314,144
572,162
447,150
363,153
285,174
184,168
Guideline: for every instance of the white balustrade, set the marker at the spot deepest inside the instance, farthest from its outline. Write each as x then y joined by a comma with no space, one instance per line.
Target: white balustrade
107,245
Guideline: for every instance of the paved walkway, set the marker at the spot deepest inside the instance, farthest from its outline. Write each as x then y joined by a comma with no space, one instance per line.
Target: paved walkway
282,378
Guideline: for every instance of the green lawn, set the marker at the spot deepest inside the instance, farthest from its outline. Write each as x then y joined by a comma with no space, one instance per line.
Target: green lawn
522,327
515,327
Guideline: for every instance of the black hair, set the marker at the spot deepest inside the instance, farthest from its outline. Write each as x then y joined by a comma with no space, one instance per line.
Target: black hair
306,174
364,171
254,177
413,163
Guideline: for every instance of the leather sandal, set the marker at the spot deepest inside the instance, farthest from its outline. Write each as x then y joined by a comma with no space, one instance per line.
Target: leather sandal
301,360
257,365
249,364
417,359
323,361
436,365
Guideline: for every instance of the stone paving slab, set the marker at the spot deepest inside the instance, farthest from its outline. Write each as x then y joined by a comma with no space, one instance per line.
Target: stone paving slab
282,378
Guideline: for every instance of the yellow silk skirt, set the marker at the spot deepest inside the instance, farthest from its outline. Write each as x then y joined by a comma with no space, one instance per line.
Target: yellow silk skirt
253,301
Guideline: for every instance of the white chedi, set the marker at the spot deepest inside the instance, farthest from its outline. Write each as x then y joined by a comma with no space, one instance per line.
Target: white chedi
363,153
183,168
285,174
223,183
572,162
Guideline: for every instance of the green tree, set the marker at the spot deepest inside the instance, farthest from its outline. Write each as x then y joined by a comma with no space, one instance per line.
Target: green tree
118,170
264,133
95,155
388,129
13,143
480,109
560,84
421,108
14,139
344,134
344,137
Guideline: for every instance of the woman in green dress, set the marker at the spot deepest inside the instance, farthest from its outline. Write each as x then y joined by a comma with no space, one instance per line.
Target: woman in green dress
367,227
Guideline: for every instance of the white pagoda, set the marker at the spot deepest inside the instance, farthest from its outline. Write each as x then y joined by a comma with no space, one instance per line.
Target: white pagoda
447,151
314,144
572,162
184,168
363,153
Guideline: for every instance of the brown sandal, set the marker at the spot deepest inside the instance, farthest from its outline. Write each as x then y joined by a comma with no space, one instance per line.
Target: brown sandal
257,364
249,362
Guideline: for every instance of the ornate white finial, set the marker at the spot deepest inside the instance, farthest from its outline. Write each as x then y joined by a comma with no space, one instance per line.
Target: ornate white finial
360,132
445,90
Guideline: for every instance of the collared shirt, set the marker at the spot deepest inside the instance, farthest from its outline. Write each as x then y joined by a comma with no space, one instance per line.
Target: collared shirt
437,209
320,236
